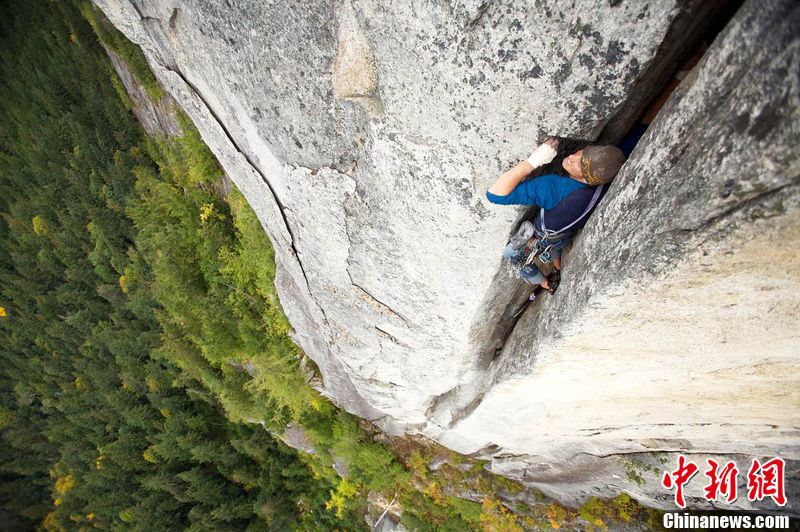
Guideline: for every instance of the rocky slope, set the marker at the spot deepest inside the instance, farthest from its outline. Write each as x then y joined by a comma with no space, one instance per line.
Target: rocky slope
157,118
364,136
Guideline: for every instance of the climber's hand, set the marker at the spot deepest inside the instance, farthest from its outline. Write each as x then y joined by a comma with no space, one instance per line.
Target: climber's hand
544,153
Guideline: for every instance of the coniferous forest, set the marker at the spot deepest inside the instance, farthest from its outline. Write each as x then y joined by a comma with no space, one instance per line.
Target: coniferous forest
134,297
146,365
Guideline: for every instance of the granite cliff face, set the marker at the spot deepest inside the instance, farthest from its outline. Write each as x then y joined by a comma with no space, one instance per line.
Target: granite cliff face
364,136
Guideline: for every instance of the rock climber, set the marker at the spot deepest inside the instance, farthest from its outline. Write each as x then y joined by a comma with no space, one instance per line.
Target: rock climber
565,203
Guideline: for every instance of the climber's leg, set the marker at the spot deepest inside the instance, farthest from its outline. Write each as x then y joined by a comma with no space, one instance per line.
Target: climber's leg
555,257
531,274
555,252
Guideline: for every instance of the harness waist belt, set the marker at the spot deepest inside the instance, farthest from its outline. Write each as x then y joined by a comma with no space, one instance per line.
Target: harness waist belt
549,233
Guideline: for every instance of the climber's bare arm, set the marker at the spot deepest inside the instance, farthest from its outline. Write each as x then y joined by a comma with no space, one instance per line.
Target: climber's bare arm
507,182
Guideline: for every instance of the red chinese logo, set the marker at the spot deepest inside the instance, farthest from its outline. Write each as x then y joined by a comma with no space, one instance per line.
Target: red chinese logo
723,482
763,480
766,480
678,478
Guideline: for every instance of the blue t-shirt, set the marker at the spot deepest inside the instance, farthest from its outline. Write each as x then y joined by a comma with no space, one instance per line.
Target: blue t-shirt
545,191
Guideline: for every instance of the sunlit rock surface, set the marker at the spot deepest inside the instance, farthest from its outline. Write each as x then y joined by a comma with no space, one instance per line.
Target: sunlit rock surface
365,136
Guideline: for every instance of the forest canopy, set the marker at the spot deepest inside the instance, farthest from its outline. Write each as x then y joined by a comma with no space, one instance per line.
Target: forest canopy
136,303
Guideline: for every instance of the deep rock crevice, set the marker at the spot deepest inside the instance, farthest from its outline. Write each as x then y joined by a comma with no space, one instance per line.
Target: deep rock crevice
690,27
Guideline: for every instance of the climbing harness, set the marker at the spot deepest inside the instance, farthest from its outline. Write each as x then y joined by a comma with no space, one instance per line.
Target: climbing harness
544,233
537,241
549,240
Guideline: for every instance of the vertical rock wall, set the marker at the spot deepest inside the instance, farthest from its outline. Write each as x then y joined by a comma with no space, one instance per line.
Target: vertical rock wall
365,134
676,326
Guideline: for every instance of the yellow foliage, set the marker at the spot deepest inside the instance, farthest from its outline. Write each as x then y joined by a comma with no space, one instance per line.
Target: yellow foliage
418,465
315,403
98,464
164,411
79,384
6,416
148,455
50,523
152,385
434,491
123,283
73,38
3,312
207,211
58,501
344,491
555,514
90,516
64,484
127,515
625,506
38,226
346,488
496,518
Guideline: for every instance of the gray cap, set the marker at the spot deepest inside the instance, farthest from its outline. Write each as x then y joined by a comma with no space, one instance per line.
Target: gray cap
601,163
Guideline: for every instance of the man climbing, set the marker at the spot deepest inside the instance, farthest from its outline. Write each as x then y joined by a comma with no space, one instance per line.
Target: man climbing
564,202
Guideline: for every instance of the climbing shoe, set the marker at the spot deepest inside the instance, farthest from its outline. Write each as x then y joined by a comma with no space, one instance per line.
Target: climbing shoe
553,280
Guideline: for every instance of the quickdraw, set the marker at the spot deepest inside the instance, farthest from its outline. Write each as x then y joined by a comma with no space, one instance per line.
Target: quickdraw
541,249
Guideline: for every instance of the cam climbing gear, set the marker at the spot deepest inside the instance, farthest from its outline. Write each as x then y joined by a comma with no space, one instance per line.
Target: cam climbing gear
523,250
523,234
519,248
